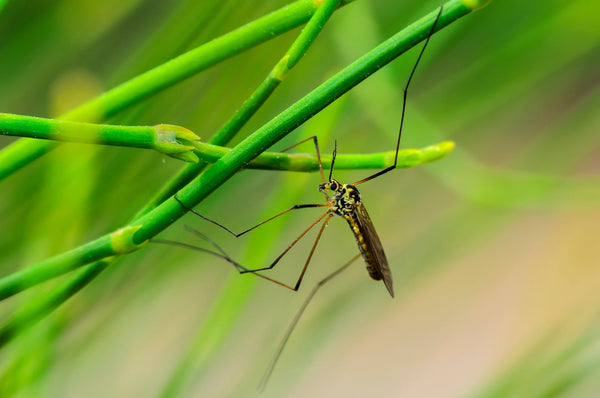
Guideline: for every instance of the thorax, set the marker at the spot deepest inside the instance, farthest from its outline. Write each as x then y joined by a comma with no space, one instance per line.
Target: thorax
345,201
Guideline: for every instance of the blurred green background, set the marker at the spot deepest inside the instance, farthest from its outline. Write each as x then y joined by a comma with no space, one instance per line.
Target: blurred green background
493,249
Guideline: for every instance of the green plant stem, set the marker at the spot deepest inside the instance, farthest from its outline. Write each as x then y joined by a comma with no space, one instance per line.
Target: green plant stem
297,50
25,151
169,211
54,266
117,242
307,162
33,312
168,139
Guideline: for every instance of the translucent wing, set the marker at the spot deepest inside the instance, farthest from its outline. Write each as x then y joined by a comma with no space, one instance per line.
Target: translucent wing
375,255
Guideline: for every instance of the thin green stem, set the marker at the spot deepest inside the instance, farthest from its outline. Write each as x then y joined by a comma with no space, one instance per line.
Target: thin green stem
117,242
308,161
168,139
131,237
25,151
306,37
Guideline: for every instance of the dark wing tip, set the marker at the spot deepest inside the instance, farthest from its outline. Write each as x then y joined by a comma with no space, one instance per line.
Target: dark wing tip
389,286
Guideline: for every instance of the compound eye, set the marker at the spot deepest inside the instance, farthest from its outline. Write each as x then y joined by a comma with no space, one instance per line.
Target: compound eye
334,186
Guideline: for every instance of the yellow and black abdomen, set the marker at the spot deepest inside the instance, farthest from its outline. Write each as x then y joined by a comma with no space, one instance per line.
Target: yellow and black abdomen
364,248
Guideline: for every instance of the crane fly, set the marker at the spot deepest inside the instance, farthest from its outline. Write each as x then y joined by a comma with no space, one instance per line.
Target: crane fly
346,202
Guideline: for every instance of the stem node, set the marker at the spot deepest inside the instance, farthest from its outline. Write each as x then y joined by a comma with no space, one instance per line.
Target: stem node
122,240
173,141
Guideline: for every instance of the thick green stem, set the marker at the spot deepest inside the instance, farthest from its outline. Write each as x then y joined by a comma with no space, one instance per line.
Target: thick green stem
118,242
32,313
54,266
25,151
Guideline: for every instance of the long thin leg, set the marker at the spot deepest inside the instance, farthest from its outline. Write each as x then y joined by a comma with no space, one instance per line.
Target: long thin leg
241,269
312,250
287,249
296,318
221,255
237,235
316,142
388,169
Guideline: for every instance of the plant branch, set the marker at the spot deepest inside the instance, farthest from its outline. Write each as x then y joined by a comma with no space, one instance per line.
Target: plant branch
307,162
178,142
33,312
171,140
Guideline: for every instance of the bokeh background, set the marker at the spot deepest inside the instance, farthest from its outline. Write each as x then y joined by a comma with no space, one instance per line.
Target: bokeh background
493,249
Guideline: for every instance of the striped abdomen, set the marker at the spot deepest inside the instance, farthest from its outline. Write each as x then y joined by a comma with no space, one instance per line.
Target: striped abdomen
364,248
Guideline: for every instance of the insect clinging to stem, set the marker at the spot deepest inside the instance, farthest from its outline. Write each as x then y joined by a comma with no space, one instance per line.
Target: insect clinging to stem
344,201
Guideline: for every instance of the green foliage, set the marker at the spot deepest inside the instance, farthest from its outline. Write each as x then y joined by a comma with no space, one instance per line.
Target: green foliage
490,248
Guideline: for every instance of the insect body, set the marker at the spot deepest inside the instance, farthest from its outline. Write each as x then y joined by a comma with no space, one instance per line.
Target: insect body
347,203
